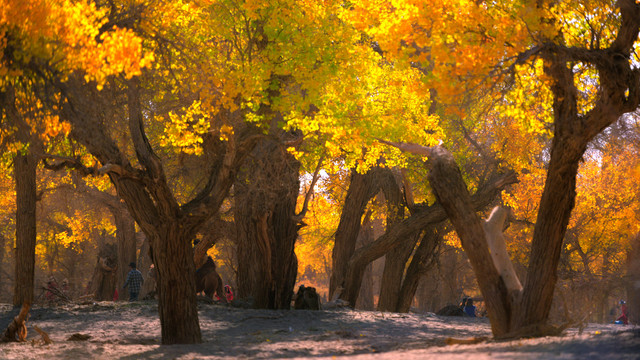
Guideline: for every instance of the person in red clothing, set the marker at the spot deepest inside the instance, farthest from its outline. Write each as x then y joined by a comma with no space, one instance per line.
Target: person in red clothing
624,318
228,294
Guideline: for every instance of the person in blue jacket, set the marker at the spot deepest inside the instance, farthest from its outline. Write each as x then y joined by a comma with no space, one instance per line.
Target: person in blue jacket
469,308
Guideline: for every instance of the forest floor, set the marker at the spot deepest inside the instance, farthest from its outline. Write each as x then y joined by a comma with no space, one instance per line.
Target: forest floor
132,331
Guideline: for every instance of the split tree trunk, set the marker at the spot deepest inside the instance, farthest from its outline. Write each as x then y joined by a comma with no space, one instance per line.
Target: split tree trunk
25,176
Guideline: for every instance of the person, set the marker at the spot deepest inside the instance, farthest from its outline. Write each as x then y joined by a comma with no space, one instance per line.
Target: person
134,282
464,303
469,308
228,293
624,318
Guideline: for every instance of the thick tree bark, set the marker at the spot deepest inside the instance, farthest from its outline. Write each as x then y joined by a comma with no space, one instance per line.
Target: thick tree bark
172,255
619,92
25,176
265,196
450,190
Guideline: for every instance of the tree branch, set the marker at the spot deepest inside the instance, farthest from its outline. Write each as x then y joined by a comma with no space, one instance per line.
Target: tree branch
298,217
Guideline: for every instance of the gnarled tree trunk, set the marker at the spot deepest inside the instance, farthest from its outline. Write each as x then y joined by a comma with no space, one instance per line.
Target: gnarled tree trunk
173,257
265,197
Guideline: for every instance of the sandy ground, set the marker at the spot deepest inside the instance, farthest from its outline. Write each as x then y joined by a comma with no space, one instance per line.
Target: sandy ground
132,331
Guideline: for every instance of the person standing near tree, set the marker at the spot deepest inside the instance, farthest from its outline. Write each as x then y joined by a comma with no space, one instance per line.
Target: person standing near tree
134,281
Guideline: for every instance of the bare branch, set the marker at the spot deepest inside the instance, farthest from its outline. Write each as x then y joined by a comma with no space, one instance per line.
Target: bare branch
298,217
409,147
69,163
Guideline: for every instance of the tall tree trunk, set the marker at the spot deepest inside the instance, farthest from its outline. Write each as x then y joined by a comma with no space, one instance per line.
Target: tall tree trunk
365,300
173,256
362,188
396,259
25,176
633,280
450,190
265,196
422,261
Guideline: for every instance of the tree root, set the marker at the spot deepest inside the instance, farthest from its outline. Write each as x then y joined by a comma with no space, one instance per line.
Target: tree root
45,337
469,341
533,331
17,330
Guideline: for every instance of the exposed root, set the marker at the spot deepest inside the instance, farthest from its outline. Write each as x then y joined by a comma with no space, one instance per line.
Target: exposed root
17,330
533,331
468,341
45,337
79,337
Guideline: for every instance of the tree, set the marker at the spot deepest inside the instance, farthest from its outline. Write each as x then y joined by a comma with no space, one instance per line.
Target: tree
557,43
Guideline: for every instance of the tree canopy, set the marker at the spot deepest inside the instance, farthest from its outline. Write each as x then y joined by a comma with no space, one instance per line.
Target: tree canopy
171,109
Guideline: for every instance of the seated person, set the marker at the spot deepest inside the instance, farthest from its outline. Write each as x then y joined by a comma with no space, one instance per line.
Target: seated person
469,308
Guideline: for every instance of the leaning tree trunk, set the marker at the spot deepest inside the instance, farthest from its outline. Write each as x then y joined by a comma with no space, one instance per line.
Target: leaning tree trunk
421,263
396,259
450,190
362,188
265,197
633,280
365,300
25,177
